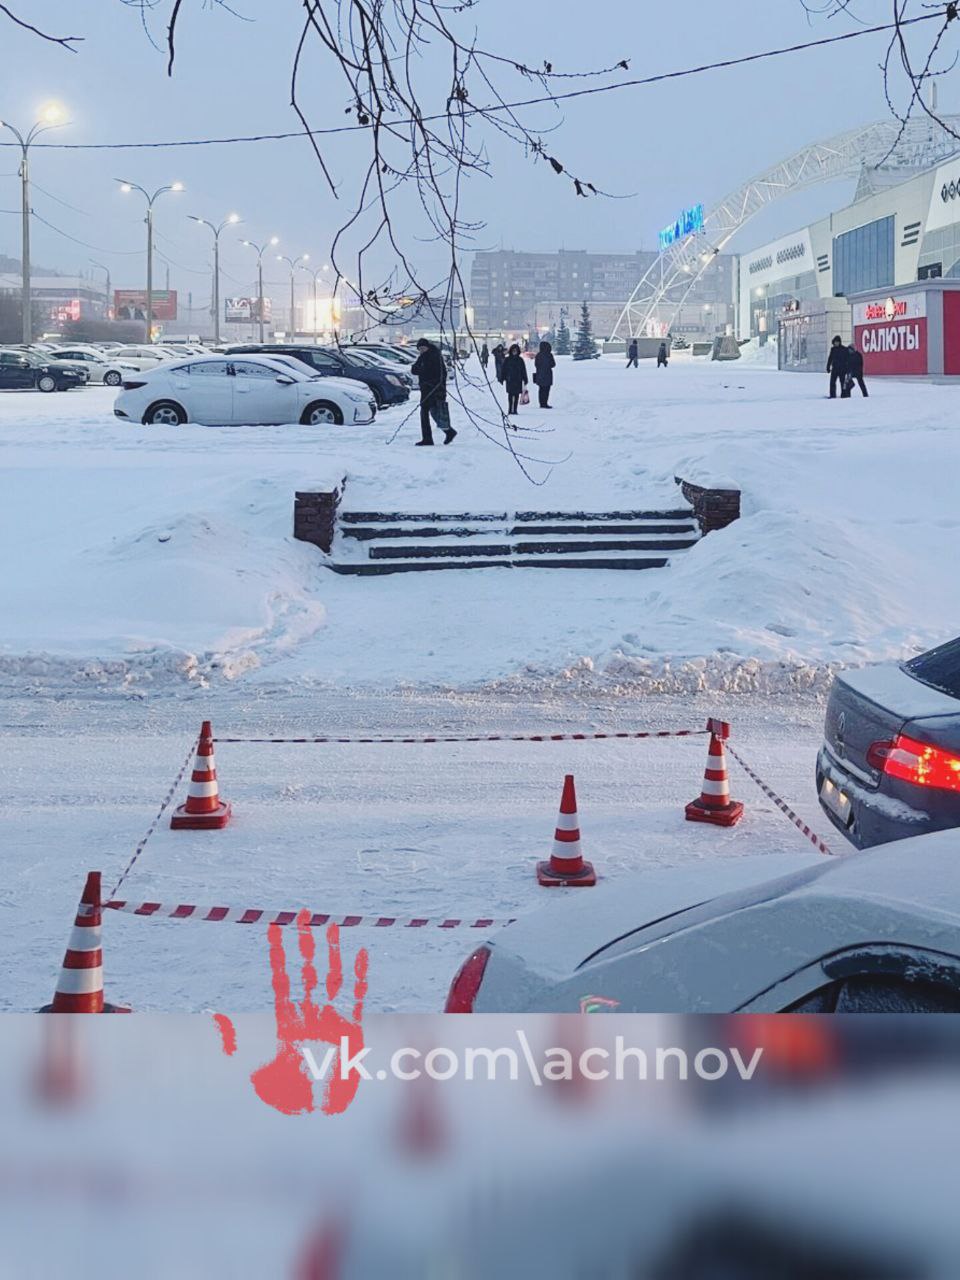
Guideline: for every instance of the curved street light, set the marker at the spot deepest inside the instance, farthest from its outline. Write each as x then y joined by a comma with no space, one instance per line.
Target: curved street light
294,264
126,188
260,250
51,117
230,221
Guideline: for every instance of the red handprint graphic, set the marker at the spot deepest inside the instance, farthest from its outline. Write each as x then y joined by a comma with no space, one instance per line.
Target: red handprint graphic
285,1083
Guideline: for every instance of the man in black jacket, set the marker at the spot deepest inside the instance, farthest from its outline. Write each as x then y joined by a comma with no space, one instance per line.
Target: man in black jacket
854,373
837,362
431,371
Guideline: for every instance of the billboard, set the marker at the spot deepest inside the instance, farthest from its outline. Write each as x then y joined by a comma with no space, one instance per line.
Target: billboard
246,311
892,334
690,220
131,304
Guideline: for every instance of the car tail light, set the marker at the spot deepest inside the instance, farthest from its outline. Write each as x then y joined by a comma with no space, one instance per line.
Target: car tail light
916,762
132,386
464,988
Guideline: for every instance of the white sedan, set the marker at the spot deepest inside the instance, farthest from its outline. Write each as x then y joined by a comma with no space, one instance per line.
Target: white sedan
143,355
247,390
873,932
99,366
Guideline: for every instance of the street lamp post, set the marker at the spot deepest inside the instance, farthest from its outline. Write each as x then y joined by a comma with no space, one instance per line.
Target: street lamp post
260,251
294,264
51,117
103,267
231,220
127,187
316,297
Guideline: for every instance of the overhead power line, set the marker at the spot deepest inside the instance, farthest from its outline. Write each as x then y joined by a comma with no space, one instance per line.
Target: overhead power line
496,108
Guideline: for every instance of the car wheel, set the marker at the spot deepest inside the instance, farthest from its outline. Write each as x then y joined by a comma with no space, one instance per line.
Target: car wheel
112,379
165,413
46,382
321,413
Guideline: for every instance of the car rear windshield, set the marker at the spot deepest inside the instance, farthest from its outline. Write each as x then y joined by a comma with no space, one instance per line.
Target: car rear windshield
939,668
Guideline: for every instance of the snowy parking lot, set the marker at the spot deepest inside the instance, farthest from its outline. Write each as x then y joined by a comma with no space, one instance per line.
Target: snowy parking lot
150,580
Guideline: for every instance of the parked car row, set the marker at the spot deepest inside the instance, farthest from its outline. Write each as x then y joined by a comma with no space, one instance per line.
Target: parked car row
167,383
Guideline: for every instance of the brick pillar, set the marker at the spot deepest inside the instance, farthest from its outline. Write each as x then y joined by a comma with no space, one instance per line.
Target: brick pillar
714,508
315,516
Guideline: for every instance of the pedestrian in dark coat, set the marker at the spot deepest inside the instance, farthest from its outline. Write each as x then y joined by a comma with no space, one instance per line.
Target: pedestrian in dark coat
837,362
431,370
544,363
514,378
633,354
499,355
854,373
662,355
484,356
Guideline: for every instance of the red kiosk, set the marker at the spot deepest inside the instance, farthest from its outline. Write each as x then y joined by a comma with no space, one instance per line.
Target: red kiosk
913,330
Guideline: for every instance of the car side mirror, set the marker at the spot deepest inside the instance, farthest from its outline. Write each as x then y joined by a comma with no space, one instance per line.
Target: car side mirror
285,382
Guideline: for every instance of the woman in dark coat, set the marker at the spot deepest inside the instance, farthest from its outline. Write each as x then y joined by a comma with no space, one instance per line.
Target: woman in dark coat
499,355
514,378
545,365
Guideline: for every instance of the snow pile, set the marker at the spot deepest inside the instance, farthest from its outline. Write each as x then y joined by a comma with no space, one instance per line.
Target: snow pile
134,558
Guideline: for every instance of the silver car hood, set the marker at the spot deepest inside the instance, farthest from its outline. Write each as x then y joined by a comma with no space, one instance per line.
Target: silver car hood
565,934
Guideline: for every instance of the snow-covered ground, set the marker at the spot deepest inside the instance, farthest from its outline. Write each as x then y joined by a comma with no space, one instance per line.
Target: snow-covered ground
135,558
149,580
450,829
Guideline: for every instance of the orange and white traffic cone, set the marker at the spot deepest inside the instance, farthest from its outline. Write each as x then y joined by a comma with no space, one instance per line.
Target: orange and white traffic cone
714,804
566,865
80,985
204,809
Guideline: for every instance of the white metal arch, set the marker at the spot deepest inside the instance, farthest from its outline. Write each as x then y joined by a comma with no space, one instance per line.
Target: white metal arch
665,286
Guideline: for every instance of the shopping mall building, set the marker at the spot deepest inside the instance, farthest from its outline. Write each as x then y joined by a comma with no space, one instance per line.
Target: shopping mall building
883,272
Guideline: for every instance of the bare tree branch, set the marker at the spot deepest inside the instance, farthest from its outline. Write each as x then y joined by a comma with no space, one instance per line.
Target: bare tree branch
65,42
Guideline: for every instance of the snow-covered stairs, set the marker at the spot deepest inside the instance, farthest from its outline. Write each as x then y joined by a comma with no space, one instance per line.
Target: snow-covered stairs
376,542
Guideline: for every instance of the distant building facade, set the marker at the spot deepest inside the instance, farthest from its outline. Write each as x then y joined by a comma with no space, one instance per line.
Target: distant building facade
524,293
60,299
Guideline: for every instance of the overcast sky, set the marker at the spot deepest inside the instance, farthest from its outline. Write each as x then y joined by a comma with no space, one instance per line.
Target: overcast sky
668,146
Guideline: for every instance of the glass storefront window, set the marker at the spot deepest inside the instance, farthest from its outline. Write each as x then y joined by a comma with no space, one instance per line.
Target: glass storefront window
864,258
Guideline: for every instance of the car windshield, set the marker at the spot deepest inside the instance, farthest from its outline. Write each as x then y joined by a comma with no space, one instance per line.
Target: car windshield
939,668
362,357
301,369
393,356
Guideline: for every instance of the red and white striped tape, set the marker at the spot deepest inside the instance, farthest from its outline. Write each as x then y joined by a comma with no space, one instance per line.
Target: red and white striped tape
782,805
490,737
258,915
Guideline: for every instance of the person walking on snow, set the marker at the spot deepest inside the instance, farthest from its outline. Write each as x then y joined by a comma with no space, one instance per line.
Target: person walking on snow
837,362
484,356
854,373
544,364
514,378
633,354
499,355
662,355
431,370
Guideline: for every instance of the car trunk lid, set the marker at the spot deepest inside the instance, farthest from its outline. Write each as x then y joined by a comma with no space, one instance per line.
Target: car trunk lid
872,706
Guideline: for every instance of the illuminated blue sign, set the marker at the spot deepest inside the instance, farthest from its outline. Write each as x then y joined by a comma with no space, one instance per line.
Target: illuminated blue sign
690,220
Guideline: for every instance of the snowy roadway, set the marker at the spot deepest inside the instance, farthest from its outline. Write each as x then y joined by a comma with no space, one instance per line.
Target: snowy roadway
452,830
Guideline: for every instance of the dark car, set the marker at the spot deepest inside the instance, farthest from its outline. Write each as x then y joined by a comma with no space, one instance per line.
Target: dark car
23,369
890,763
387,387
